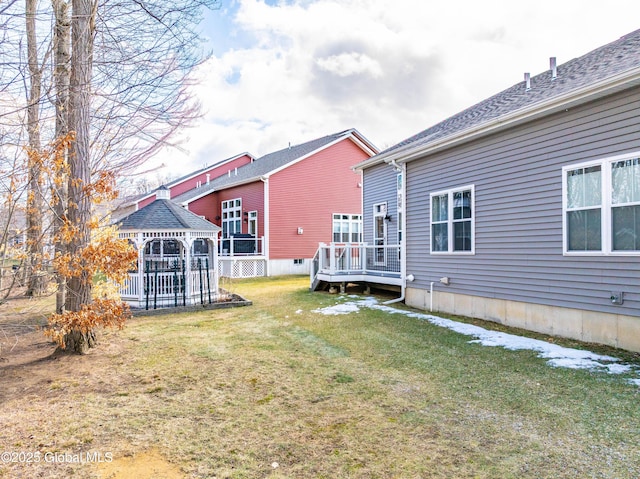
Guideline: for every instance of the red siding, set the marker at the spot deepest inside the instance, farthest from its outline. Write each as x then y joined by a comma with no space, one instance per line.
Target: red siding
214,172
252,200
207,206
307,194
192,182
252,196
146,201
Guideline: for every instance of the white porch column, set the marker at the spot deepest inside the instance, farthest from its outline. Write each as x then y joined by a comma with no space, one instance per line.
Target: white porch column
214,263
139,244
186,244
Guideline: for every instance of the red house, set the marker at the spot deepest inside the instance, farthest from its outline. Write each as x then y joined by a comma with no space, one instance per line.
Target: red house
197,179
275,210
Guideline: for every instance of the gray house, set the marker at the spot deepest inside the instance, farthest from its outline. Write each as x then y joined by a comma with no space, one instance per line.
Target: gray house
525,208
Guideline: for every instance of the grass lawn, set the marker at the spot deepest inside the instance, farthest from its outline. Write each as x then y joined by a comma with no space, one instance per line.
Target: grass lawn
276,390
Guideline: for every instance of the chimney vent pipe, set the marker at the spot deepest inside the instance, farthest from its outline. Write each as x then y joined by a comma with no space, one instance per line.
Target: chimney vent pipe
554,68
527,81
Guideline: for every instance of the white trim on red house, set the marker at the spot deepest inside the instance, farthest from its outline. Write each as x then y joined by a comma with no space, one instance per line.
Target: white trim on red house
267,232
349,134
192,175
358,139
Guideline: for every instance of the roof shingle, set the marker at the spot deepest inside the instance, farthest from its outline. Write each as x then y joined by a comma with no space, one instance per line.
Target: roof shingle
165,215
262,166
602,63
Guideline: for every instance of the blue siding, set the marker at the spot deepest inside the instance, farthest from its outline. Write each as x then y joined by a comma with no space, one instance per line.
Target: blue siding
379,186
518,206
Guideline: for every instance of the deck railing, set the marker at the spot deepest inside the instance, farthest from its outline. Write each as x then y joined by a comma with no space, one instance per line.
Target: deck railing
242,246
356,258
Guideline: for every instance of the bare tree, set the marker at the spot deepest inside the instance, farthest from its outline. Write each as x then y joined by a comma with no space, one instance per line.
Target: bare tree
127,93
142,94
79,203
62,74
35,201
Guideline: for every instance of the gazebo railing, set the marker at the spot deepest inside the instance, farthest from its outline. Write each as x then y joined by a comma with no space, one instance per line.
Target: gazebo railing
164,284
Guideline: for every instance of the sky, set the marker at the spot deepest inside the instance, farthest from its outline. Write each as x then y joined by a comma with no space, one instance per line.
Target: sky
290,71
556,356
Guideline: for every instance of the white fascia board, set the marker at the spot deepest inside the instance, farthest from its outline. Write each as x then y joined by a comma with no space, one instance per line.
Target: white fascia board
348,135
185,204
368,163
225,187
174,231
210,167
363,143
562,102
301,158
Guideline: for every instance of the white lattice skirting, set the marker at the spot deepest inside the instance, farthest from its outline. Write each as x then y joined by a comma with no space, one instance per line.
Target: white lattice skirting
242,268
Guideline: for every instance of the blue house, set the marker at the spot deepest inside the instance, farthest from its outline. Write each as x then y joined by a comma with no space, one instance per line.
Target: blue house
524,209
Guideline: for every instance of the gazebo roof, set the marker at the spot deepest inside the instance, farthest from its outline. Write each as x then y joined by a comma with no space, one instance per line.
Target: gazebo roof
164,214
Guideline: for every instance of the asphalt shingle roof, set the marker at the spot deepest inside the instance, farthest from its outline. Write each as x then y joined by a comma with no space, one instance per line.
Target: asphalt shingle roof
263,165
602,63
165,215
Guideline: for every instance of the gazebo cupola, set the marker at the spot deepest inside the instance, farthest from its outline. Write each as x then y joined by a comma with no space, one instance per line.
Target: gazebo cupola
177,256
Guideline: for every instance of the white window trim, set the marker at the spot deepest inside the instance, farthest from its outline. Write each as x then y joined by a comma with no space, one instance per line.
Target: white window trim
352,220
450,222
252,217
380,210
226,208
605,218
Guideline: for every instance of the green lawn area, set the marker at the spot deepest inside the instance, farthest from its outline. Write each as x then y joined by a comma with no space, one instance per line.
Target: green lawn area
277,390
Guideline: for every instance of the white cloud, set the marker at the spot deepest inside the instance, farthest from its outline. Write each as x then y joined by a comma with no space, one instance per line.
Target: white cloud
349,64
295,70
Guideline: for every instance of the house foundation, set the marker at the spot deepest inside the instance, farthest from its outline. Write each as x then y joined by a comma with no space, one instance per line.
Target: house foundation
617,330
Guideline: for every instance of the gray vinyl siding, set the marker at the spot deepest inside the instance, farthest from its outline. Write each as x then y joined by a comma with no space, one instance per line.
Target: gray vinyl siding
379,186
517,176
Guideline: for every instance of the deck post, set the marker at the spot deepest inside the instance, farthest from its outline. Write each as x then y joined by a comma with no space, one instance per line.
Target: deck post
332,258
321,250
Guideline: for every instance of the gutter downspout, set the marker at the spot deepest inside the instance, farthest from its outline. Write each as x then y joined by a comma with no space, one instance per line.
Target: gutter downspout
265,246
403,255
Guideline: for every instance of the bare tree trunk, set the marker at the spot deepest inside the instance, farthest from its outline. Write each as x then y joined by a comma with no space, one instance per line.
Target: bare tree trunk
62,48
79,204
36,280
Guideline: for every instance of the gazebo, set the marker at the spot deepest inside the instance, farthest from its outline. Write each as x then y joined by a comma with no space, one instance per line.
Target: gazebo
177,256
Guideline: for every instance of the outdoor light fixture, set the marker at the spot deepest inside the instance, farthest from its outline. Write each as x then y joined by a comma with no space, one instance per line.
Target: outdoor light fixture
387,218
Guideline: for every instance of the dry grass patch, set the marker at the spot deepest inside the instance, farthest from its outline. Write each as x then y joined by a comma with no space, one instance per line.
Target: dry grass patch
275,390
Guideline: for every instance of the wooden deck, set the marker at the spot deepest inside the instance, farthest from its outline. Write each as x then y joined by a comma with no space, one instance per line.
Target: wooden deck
340,263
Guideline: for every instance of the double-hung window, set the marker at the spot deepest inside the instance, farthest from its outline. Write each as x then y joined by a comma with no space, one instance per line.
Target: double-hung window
452,221
347,228
601,203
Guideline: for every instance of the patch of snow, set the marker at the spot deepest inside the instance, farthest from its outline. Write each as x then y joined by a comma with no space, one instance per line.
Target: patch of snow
619,368
344,308
557,356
